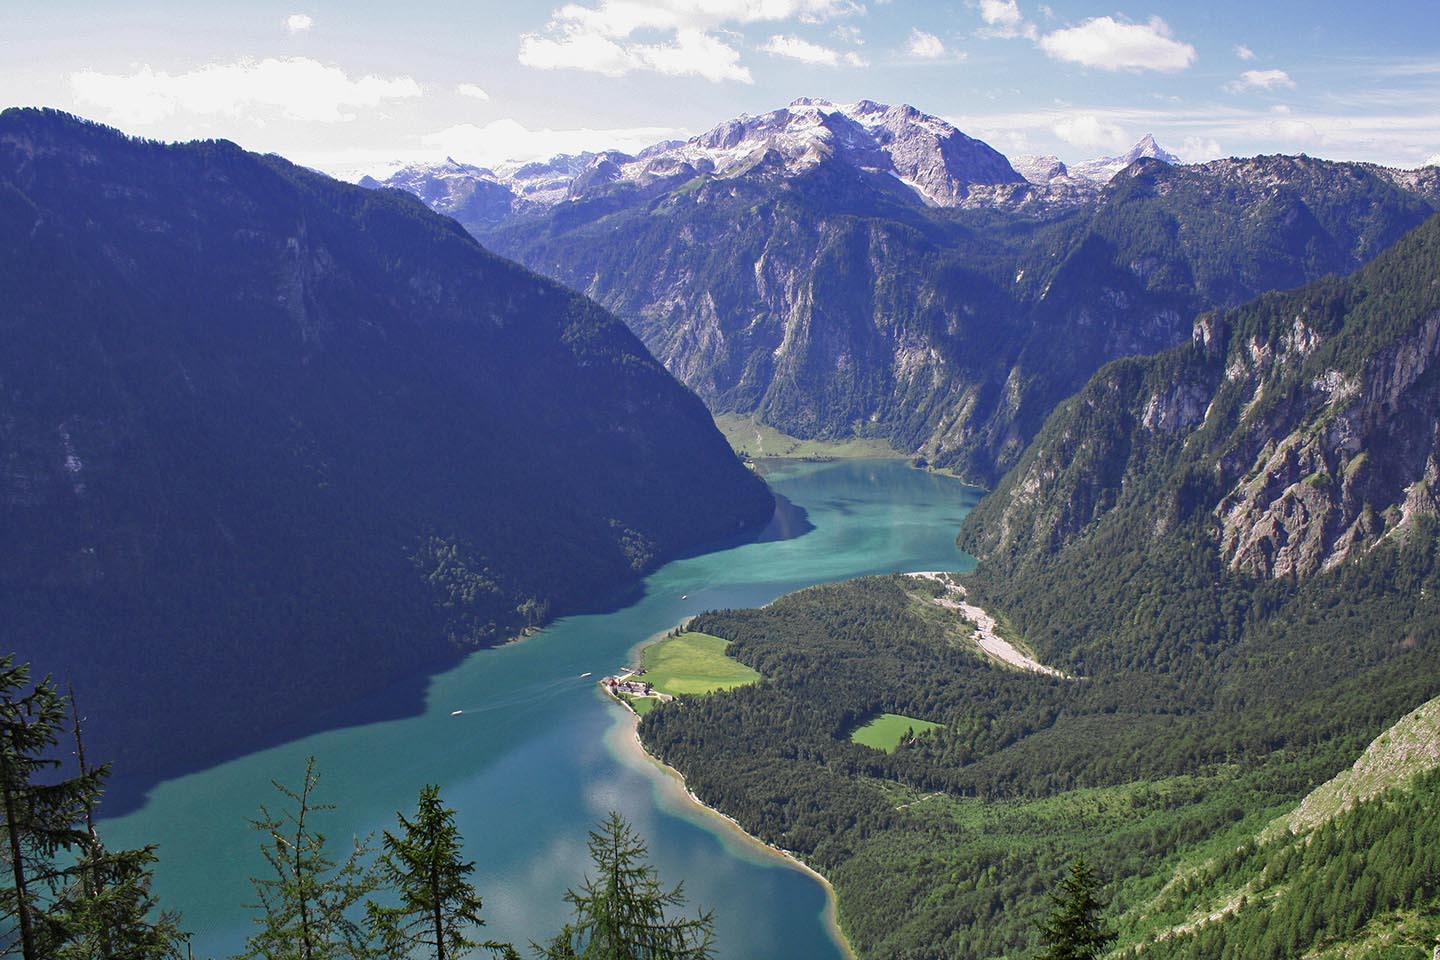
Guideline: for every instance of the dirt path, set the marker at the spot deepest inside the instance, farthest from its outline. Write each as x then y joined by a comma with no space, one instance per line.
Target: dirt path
986,637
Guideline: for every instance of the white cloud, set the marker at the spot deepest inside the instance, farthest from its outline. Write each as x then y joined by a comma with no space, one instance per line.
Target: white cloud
1200,149
472,90
601,38
509,140
1000,13
1261,80
1244,52
924,46
795,48
299,22
1089,132
622,18
689,53
297,88
1112,44
1003,21
1295,132
1383,134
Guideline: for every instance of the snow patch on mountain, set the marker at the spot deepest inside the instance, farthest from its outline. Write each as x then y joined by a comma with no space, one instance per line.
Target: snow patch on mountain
1102,169
935,160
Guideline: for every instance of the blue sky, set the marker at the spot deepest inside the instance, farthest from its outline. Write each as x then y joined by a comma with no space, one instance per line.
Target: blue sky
348,84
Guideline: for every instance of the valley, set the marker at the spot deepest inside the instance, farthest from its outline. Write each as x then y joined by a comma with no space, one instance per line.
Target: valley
285,462
537,750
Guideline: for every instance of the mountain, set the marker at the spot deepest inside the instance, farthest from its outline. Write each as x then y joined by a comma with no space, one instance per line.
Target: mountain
271,442
867,270
1102,169
1228,554
832,304
1366,844
473,195
1039,170
937,163
1297,432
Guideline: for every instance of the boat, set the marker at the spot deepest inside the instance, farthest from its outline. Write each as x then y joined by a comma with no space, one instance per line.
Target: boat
456,713
585,674
684,596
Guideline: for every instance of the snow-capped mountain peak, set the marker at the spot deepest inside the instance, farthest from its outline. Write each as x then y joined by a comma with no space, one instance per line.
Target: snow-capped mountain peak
937,162
924,152
1102,169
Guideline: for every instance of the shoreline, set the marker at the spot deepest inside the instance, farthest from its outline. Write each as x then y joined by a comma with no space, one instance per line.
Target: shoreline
623,739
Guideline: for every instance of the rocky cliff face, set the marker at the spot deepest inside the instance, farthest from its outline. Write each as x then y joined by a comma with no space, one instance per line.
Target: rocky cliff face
1301,430
1349,459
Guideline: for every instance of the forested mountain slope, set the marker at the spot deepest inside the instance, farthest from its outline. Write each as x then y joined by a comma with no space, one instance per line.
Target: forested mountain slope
269,441
1232,550
1287,435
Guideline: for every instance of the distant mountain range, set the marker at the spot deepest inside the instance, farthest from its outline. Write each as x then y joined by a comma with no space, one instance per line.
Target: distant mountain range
941,165
870,270
270,441
937,163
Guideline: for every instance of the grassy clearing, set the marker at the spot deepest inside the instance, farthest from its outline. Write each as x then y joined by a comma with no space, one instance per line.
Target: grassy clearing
693,663
641,705
887,730
760,440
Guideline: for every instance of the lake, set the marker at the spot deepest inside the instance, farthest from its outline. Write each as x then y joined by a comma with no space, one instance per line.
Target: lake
538,754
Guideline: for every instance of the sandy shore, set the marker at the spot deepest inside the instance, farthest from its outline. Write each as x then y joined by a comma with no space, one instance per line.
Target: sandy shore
623,740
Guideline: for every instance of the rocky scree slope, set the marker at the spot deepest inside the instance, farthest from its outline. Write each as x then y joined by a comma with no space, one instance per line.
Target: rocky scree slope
269,442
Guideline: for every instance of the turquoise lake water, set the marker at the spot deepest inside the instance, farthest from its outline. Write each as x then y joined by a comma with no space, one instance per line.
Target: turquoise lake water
538,754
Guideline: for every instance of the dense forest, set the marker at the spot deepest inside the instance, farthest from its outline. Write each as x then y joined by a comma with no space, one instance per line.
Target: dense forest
951,841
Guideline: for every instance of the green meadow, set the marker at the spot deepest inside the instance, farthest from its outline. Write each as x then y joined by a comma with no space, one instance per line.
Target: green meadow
887,730
761,440
693,663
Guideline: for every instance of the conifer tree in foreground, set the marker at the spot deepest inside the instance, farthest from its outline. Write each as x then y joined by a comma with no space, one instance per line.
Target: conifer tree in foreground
1074,929
308,908
622,913
438,904
64,895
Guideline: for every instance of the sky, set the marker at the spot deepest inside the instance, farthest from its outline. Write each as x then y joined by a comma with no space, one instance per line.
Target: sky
351,85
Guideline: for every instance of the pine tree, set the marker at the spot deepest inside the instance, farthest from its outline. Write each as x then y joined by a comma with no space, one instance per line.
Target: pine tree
437,901
66,896
308,908
40,818
107,911
622,914
1074,929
